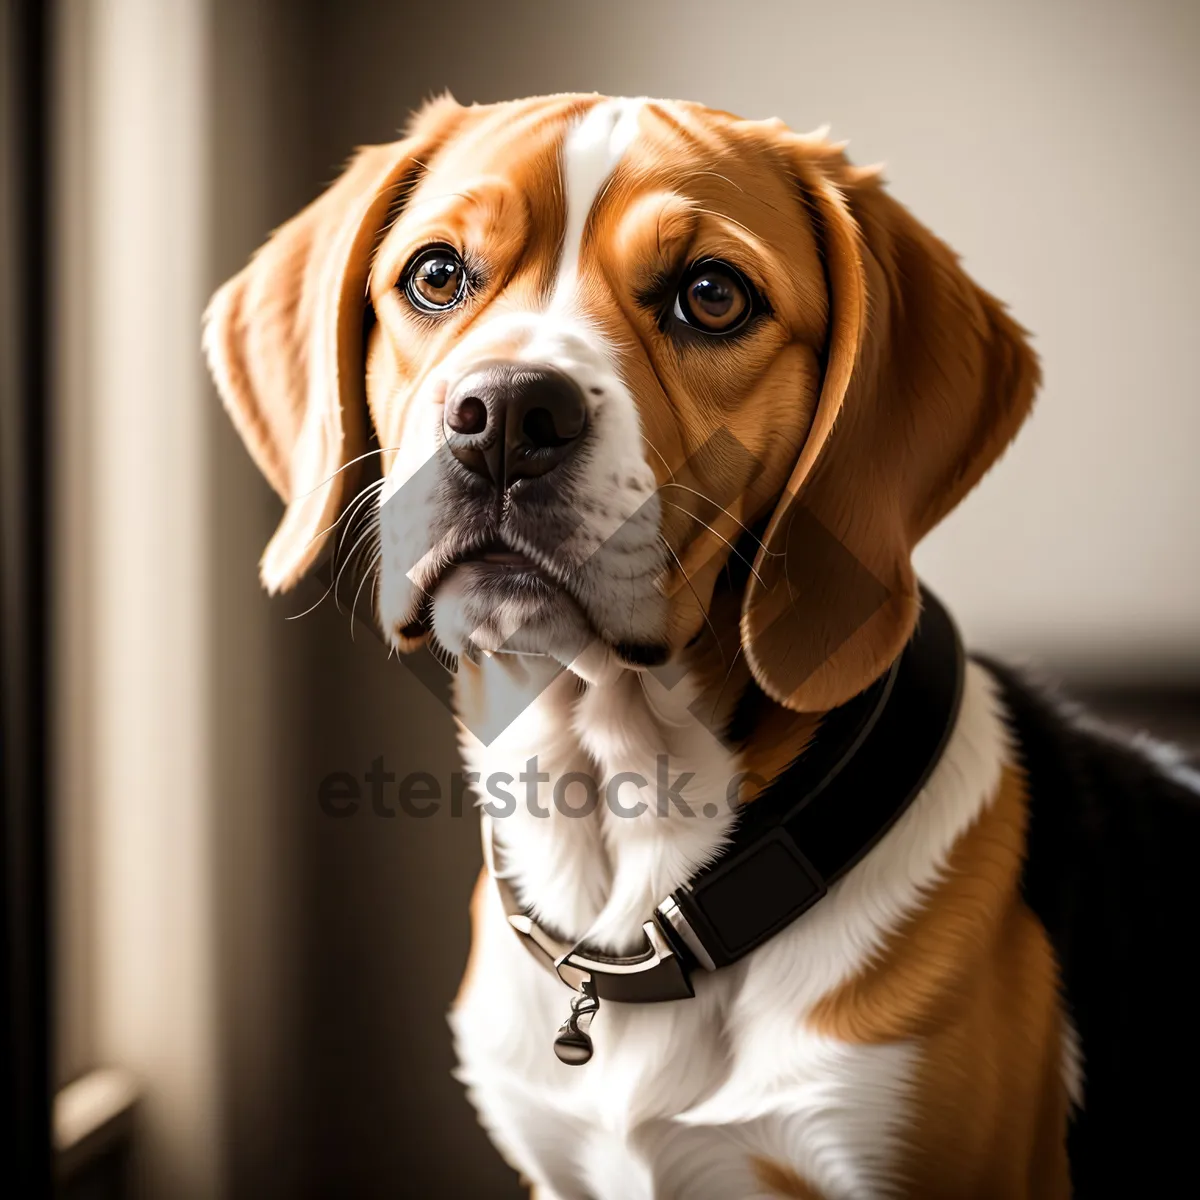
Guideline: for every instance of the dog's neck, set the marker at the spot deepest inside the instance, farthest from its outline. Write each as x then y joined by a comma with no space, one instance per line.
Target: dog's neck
683,749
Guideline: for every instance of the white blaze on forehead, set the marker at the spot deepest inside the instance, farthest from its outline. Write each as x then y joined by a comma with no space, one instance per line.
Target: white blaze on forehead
594,146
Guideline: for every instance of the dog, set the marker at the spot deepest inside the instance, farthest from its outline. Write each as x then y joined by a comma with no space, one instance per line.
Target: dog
662,400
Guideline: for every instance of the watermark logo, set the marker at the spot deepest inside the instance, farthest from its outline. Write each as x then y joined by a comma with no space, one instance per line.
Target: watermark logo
628,795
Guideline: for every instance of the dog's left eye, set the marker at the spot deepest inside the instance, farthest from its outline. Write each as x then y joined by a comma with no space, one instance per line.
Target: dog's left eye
713,298
435,280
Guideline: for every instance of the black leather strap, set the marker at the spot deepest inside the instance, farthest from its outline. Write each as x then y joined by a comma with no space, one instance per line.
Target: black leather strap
823,815
816,821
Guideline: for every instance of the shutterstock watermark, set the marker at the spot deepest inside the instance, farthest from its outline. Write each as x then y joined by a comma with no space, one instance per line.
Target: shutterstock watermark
379,792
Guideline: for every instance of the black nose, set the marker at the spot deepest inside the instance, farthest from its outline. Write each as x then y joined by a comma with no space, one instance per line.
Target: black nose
513,421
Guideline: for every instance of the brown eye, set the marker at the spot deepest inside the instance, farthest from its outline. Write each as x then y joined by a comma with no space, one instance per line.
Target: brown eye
434,279
713,298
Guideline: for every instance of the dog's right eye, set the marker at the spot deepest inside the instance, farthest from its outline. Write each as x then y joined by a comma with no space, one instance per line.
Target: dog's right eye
435,280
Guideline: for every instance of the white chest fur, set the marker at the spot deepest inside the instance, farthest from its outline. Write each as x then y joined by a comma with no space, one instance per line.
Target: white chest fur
680,1098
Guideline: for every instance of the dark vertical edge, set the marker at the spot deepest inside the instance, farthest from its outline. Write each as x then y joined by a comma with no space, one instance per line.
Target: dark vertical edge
24,769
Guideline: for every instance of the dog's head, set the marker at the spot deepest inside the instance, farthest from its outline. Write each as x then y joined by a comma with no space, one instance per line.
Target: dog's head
627,355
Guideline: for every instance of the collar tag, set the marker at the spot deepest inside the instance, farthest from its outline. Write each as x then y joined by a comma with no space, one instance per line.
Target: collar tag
655,974
572,1043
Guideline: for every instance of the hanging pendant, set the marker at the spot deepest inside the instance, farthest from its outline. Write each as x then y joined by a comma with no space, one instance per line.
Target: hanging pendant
572,1044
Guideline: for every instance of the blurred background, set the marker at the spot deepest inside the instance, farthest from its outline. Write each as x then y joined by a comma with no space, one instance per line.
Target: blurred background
268,982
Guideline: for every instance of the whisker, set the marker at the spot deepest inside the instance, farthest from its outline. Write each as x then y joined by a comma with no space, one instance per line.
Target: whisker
338,578
312,607
660,457
447,659
359,507
696,594
365,544
364,494
378,483
745,529
688,512
725,684
345,467
366,573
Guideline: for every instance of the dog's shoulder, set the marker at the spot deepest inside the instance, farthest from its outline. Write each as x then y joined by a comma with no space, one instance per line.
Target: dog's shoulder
1111,872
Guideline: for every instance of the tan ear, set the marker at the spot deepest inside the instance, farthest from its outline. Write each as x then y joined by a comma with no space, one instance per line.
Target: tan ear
926,380
284,341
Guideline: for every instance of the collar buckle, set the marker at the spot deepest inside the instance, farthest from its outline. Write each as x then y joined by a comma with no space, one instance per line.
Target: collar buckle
656,974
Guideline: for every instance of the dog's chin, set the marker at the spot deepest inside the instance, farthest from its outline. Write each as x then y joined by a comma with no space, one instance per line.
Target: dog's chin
498,608
512,608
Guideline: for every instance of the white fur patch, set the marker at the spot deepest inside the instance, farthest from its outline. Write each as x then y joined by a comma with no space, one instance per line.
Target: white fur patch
680,1096
592,149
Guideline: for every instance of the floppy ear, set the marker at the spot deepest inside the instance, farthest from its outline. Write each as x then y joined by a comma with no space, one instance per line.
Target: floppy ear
284,341
926,380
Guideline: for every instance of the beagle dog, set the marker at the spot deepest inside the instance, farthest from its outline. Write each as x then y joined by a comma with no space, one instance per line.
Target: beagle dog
660,402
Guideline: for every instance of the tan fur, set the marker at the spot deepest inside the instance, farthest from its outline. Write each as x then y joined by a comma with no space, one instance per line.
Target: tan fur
781,1180
973,978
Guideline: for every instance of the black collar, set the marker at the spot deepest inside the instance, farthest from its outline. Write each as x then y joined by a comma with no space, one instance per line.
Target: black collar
817,820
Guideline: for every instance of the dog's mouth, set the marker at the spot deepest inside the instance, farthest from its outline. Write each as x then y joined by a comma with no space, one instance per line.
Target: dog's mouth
494,563
506,569
497,554
490,573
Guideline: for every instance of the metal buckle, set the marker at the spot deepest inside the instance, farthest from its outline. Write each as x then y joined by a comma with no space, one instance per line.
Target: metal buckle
670,912
657,974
